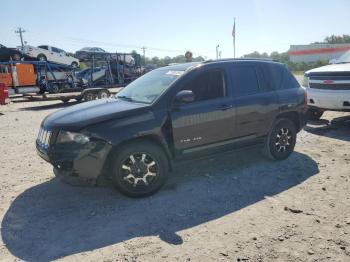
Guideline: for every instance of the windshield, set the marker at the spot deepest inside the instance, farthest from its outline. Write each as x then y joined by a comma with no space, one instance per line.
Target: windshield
345,58
150,86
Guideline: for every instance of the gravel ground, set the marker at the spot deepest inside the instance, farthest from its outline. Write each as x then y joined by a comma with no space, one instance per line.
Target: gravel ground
235,207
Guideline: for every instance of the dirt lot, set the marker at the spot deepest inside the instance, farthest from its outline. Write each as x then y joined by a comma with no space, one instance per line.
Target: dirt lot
232,207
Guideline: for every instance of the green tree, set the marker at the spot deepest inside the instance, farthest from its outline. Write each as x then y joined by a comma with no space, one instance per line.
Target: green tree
337,39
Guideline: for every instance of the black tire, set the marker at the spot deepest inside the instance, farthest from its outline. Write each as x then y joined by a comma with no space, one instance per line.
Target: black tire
54,89
65,100
42,57
42,91
144,177
89,96
314,114
102,94
281,140
74,64
17,57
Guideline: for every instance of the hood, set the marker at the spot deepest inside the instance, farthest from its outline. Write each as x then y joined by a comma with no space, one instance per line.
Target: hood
79,116
334,68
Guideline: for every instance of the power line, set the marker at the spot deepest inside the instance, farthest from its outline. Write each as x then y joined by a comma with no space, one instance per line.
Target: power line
129,46
20,31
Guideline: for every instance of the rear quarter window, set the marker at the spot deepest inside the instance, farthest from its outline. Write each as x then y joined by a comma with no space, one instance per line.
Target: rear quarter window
273,75
245,81
289,80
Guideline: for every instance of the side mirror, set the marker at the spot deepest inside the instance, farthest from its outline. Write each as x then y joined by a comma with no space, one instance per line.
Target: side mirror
184,97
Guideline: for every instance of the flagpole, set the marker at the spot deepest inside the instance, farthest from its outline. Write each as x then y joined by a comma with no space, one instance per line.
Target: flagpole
234,39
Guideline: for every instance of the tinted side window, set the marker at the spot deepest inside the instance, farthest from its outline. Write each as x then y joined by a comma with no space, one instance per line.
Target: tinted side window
245,80
54,49
207,85
289,81
273,75
43,47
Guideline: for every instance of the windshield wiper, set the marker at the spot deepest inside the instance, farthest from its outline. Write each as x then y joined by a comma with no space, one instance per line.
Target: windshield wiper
129,99
125,98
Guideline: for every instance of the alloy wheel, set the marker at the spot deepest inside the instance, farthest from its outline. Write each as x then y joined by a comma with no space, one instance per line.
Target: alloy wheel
283,140
139,169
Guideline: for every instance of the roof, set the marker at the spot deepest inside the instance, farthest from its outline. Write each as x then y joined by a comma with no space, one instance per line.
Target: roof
180,67
185,66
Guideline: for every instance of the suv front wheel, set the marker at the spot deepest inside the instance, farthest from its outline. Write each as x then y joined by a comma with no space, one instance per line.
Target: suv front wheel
281,140
140,169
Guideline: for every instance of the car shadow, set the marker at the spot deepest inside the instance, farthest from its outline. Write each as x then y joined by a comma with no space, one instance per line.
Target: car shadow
52,220
337,128
58,105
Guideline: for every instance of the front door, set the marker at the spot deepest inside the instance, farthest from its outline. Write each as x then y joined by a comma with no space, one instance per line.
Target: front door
208,119
56,55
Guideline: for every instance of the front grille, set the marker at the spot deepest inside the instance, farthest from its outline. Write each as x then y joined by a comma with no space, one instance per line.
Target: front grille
330,81
44,138
330,77
330,86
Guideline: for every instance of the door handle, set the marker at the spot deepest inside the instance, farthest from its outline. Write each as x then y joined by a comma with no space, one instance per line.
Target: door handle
225,107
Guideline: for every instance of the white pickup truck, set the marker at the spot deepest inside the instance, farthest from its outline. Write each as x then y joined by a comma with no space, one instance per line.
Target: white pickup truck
328,87
49,53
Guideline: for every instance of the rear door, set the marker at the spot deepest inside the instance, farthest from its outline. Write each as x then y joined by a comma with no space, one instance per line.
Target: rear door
56,56
208,119
44,49
255,104
64,59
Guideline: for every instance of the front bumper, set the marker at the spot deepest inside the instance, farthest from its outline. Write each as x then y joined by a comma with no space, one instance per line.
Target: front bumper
75,160
329,99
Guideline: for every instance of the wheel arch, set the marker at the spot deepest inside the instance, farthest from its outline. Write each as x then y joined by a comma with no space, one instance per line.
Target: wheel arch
152,138
292,116
41,54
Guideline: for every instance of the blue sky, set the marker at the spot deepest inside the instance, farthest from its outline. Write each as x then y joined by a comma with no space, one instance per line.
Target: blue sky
171,27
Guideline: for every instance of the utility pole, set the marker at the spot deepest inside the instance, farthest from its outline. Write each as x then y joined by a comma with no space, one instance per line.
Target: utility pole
144,54
217,52
20,31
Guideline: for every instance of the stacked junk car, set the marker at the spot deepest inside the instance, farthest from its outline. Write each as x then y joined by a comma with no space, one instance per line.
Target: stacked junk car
53,74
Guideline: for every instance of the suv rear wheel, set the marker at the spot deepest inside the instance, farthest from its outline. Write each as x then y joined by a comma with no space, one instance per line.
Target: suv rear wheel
139,169
281,140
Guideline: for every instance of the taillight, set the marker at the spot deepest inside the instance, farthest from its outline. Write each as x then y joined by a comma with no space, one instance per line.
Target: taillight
305,97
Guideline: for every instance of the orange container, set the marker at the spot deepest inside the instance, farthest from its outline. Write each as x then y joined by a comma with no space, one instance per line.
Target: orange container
25,75
5,75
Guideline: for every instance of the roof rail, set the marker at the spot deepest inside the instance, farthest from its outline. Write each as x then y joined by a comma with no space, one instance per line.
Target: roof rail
240,59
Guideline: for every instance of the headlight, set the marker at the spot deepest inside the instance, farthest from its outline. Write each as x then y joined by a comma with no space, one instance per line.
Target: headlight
68,137
305,82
